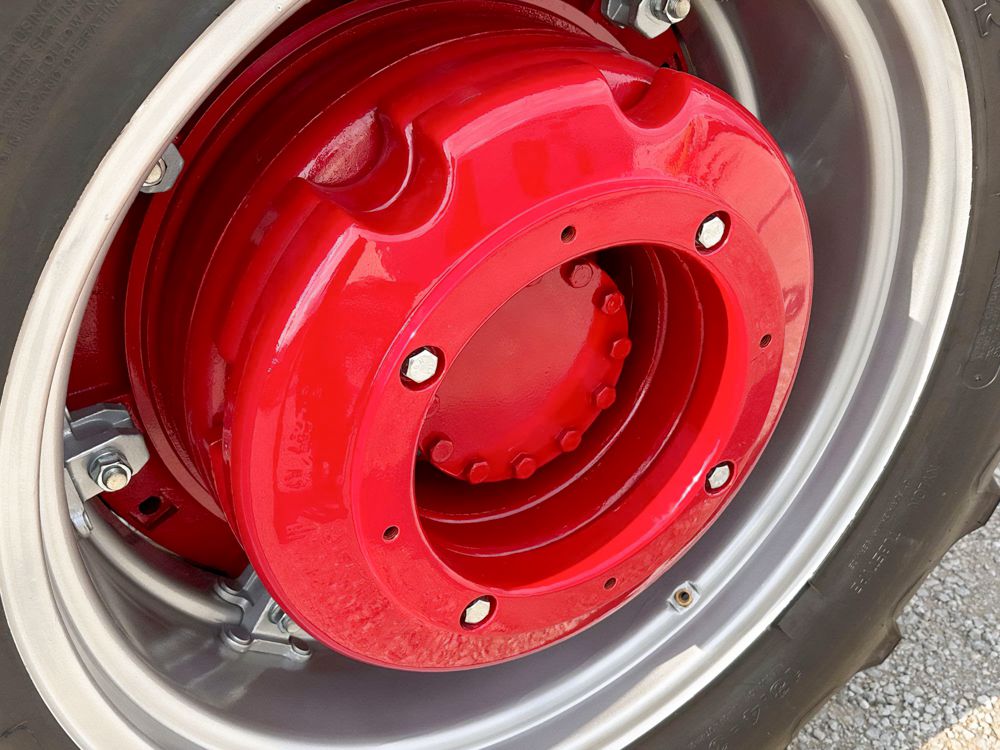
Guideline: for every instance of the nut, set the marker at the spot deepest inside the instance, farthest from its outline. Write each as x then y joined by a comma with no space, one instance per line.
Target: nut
711,232
156,174
674,11
421,365
110,471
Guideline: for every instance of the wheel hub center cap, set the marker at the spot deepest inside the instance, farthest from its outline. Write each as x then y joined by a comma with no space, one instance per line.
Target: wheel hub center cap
603,266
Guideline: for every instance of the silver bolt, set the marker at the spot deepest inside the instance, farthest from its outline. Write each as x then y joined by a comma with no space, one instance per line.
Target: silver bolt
289,625
719,476
110,471
421,366
711,232
477,611
677,10
156,174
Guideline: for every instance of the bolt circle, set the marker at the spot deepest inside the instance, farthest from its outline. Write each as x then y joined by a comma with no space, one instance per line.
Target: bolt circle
711,233
478,611
719,477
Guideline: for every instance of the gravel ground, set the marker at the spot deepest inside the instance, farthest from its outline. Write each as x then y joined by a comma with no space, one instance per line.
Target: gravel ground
940,689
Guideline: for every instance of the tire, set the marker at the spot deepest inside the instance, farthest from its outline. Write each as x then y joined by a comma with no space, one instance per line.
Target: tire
938,488
61,65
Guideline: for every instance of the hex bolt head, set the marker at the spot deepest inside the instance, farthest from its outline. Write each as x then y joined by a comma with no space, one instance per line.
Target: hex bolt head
620,348
719,477
525,467
677,10
477,611
110,471
421,365
612,303
441,451
578,274
604,397
570,440
478,472
711,232
156,174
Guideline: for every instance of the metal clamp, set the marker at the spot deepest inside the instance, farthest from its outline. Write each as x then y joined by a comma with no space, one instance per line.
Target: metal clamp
649,17
102,451
264,627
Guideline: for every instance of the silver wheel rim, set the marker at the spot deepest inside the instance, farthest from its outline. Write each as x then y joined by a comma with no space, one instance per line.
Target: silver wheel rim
880,136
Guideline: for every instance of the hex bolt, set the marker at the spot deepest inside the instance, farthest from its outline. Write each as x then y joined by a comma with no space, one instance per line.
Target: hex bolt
578,274
612,303
110,471
525,467
604,397
711,232
421,365
620,348
156,174
676,11
478,472
719,477
441,451
570,440
477,611
289,625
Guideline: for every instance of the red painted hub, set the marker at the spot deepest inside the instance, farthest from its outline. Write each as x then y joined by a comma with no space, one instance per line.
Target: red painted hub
532,380
506,187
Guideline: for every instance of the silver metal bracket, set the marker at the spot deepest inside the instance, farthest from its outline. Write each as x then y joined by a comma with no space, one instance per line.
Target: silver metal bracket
649,17
89,435
164,172
264,627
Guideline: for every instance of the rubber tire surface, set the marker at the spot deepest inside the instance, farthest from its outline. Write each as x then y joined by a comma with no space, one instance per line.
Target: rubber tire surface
72,72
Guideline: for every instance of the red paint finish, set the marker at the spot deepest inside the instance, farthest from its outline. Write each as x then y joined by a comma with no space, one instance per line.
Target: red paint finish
528,376
505,184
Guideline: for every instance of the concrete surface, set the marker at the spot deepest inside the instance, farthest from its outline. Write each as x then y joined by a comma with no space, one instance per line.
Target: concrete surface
940,689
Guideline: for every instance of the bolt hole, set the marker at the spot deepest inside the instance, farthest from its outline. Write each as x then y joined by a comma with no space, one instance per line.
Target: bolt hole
150,505
765,341
568,234
390,533
610,583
